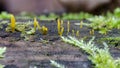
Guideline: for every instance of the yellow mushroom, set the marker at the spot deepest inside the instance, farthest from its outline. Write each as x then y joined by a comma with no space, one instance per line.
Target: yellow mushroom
44,30
68,27
62,30
35,23
13,23
73,32
92,32
77,33
38,25
81,24
59,26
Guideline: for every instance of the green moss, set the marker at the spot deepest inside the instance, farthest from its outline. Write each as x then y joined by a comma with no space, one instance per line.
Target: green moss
112,40
2,23
26,29
4,15
18,27
104,24
101,57
76,16
31,32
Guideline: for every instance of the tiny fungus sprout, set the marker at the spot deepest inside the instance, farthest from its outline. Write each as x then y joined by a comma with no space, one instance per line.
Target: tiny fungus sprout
44,30
13,23
35,23
77,33
92,32
73,32
61,32
81,24
60,27
68,27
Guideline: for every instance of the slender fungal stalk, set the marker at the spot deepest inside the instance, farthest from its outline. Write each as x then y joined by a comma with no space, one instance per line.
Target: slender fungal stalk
38,25
58,25
13,23
81,24
73,32
77,33
68,27
44,30
91,32
35,23
62,30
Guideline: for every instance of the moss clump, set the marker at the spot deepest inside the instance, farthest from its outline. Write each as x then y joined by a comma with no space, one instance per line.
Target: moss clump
112,40
4,15
101,57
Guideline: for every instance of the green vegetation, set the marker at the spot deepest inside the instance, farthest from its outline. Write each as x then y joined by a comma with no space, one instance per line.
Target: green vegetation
2,50
111,40
64,16
5,15
55,64
104,24
76,16
116,13
25,29
51,16
101,23
99,56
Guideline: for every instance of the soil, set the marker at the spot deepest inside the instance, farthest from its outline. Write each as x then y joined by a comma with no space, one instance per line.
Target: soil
40,49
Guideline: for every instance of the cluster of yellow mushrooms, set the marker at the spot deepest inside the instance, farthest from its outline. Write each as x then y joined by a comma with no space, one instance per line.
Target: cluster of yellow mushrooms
44,29
36,25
